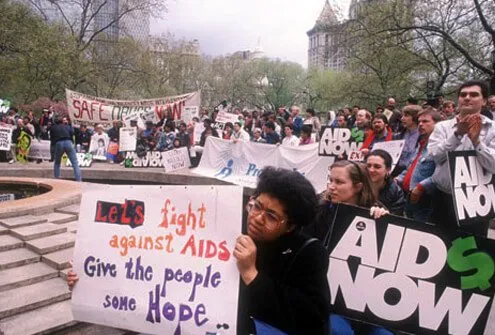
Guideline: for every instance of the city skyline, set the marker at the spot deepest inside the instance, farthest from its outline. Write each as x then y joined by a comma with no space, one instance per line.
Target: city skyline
225,27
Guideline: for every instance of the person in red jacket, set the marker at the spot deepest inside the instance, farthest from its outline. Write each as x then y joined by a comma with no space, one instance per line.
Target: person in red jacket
380,132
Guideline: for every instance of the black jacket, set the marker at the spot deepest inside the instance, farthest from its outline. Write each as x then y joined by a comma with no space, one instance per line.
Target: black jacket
291,290
392,197
320,228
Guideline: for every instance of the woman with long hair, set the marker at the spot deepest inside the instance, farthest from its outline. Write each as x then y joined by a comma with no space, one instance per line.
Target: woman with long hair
388,192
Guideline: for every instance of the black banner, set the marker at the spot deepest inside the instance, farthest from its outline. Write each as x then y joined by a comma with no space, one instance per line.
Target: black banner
408,275
472,188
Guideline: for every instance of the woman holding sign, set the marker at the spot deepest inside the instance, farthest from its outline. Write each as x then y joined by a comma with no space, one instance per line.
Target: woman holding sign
283,272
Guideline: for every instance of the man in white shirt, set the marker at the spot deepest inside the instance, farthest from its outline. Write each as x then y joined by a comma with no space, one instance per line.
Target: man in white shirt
491,105
239,134
468,131
290,140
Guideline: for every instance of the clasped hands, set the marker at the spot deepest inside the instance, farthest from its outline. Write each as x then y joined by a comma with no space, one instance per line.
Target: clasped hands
470,125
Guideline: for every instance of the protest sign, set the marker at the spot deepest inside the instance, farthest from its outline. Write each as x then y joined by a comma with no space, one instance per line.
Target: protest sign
176,159
40,150
5,138
158,259
241,163
224,117
357,156
98,146
151,159
90,109
4,106
409,276
337,142
83,160
198,130
128,138
472,188
23,146
394,148
7,197
189,113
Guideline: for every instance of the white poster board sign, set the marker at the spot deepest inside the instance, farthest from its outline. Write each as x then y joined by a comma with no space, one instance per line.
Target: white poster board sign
394,148
39,150
190,112
7,197
176,159
5,138
158,259
128,139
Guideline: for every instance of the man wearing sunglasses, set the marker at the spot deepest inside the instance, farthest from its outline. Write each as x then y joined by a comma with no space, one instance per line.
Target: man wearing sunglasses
468,131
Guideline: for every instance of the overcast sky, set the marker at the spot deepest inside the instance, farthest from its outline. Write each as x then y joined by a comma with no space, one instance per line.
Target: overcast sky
226,26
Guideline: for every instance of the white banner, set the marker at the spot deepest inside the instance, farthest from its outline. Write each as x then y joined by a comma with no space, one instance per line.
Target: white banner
83,160
394,148
241,163
158,259
176,159
127,139
86,108
39,150
5,138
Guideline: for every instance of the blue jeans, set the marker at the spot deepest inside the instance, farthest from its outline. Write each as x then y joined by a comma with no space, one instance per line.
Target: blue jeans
67,147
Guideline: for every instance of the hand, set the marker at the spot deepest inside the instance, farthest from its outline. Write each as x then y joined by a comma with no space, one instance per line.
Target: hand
474,130
245,253
416,194
72,279
365,151
462,126
377,212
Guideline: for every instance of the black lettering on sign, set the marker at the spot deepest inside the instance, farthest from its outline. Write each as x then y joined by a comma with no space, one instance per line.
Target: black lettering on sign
130,213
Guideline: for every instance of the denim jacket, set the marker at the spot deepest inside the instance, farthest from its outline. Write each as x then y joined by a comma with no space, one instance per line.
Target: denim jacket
422,172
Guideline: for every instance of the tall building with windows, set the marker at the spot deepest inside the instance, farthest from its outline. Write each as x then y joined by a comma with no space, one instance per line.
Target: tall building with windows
325,48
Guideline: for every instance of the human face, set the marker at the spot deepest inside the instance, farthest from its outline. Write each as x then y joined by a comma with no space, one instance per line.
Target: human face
378,126
407,121
376,169
267,219
361,118
426,125
491,101
471,100
236,127
340,187
257,134
449,110
341,122
288,132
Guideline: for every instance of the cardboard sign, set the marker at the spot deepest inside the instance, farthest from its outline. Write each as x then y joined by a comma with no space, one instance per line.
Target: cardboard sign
23,146
151,159
98,146
473,188
337,142
128,138
394,148
5,138
408,275
176,159
90,109
40,150
83,160
189,113
158,259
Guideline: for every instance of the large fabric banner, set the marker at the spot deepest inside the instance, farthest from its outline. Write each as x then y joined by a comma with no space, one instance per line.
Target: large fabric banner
158,259
473,188
5,138
40,150
408,275
86,108
241,163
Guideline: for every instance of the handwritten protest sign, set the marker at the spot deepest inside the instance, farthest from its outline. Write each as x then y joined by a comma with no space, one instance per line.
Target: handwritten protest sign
158,259
128,138
473,188
176,159
394,148
337,142
5,138
83,160
40,150
408,275
90,109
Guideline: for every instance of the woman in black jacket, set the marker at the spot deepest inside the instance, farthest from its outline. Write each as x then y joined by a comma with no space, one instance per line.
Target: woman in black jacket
391,195
283,272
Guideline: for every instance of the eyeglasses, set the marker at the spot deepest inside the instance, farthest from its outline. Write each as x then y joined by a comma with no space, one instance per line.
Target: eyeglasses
272,220
471,94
